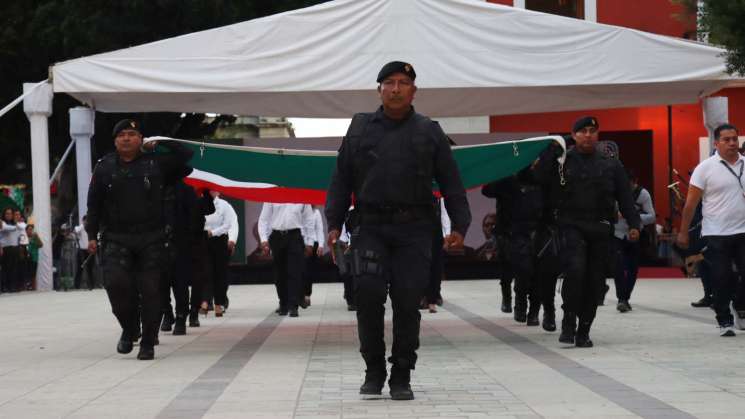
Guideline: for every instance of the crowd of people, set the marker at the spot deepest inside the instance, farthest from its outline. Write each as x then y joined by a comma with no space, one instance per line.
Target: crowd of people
19,252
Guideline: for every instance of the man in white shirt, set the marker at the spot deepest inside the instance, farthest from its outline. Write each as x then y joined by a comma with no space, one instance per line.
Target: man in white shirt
222,232
283,229
718,180
628,251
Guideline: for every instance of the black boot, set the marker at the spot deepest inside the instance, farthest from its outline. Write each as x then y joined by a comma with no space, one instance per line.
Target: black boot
179,326
124,346
194,318
147,352
533,315
374,380
167,322
583,335
601,297
521,307
549,319
568,328
506,297
400,384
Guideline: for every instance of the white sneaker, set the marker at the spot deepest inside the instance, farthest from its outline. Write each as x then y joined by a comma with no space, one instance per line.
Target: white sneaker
726,331
739,317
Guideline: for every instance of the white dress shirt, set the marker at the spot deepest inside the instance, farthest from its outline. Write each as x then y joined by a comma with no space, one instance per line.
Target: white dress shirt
646,213
317,234
224,221
284,217
444,219
82,236
9,235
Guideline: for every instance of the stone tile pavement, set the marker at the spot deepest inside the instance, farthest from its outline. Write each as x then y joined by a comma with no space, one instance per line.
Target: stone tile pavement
662,360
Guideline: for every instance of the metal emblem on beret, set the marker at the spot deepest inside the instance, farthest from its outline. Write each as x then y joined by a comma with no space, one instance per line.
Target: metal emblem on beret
407,68
132,124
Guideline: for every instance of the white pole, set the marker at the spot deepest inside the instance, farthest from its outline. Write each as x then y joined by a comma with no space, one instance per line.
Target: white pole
38,107
716,113
81,130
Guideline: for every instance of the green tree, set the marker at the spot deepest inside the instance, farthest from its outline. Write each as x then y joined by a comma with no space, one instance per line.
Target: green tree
35,34
721,22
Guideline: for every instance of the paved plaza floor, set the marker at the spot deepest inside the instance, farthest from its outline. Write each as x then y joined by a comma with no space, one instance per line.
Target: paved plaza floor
664,359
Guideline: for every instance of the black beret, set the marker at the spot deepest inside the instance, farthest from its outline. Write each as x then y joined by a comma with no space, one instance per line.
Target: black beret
585,121
126,124
396,67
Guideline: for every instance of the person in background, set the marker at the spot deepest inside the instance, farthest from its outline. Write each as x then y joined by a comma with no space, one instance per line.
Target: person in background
34,244
317,235
9,238
85,265
627,251
222,232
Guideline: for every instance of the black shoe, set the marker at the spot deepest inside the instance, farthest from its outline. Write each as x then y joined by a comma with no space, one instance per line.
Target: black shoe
167,323
293,312
506,299
582,340
520,315
549,321
156,342
506,306
305,302
179,326
399,384
146,353
533,319
194,319
623,306
704,302
227,303
281,310
124,346
568,328
351,307
374,381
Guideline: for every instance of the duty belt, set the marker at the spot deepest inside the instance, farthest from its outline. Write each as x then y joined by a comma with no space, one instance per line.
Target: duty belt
394,215
135,228
286,232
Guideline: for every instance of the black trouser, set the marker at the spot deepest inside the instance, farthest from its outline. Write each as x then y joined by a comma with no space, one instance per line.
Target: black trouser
548,267
11,268
721,252
584,258
288,253
522,254
310,273
505,265
132,270
348,282
88,269
393,257
436,268
627,267
218,256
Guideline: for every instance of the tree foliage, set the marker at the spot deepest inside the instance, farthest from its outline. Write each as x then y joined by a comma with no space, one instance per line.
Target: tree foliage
35,34
722,22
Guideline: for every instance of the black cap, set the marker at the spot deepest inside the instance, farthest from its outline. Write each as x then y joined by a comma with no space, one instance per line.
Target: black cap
584,122
126,124
396,67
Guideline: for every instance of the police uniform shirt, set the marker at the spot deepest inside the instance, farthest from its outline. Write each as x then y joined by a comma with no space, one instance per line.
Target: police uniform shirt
223,221
283,217
384,164
723,195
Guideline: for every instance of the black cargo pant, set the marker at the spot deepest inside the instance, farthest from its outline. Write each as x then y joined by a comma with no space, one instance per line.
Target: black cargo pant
217,271
721,253
436,269
132,271
189,269
506,270
522,254
395,258
584,257
288,254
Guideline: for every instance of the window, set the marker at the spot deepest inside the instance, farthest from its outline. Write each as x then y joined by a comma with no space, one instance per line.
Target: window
568,8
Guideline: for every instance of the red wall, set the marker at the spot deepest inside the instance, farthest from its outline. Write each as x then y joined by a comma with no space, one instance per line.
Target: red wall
505,2
654,16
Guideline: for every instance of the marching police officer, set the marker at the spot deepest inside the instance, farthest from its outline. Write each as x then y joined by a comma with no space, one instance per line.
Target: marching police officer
388,160
126,205
522,204
583,192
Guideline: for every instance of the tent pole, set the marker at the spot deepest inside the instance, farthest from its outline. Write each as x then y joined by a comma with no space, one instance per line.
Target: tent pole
670,160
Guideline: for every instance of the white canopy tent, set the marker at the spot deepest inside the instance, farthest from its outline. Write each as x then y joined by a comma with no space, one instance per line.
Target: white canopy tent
472,58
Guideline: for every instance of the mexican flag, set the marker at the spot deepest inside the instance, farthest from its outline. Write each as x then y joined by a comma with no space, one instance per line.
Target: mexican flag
303,176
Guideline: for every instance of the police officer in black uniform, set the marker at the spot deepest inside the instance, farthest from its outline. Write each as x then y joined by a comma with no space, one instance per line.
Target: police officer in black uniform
126,205
523,213
583,192
388,160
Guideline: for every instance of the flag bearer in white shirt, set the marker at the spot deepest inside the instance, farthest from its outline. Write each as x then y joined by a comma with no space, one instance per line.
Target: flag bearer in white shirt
222,232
